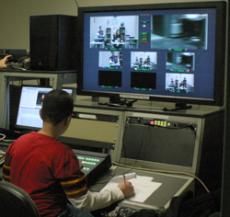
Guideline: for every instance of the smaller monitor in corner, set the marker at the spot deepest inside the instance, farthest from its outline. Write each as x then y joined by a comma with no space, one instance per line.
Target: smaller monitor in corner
30,101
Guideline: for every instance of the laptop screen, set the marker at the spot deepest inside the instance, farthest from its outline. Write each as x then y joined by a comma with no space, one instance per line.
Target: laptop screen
28,116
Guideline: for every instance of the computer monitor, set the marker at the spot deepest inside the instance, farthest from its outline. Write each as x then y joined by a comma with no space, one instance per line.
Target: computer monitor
168,52
30,101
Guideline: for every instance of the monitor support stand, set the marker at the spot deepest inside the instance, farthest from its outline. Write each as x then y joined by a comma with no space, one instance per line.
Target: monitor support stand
116,101
179,106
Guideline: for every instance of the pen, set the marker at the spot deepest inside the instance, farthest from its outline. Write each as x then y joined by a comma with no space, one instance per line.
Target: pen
124,177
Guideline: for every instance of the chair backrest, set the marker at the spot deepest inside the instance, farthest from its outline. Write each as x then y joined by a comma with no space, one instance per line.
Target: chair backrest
216,214
15,202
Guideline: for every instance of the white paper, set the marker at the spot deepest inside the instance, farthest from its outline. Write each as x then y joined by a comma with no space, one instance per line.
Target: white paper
144,186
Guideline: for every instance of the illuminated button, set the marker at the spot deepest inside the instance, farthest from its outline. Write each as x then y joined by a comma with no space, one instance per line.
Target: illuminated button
151,122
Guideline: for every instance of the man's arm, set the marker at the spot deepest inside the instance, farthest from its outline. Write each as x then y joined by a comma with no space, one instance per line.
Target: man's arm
74,184
97,200
3,61
78,193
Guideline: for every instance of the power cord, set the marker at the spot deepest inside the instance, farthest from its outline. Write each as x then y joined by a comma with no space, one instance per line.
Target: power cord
76,3
2,157
2,153
2,136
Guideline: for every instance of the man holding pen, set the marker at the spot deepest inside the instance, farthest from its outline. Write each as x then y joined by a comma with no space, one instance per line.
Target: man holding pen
49,170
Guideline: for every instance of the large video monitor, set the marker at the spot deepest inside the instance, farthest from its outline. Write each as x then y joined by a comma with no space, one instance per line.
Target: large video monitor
169,52
30,101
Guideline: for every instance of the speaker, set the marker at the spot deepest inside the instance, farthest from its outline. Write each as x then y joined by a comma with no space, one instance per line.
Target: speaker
53,42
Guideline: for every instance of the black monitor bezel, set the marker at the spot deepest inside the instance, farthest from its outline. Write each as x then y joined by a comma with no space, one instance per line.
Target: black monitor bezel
219,74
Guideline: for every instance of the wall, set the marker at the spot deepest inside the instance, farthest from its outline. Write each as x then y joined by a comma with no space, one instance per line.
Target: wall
14,18
14,15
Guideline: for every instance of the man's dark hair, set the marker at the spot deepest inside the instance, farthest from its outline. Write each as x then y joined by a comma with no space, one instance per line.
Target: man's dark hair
56,106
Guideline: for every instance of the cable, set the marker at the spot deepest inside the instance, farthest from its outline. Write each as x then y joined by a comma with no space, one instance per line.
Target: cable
2,153
166,171
2,157
3,136
77,5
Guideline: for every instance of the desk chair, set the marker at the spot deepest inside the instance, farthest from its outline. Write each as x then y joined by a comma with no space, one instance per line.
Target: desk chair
14,202
216,214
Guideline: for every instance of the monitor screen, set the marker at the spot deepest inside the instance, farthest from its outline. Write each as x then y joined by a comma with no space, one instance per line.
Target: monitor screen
30,101
170,52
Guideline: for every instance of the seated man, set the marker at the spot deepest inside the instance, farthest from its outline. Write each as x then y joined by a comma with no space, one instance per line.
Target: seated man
3,61
49,170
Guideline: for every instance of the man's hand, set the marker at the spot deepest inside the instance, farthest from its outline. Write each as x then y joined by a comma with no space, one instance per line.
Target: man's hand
4,61
127,188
